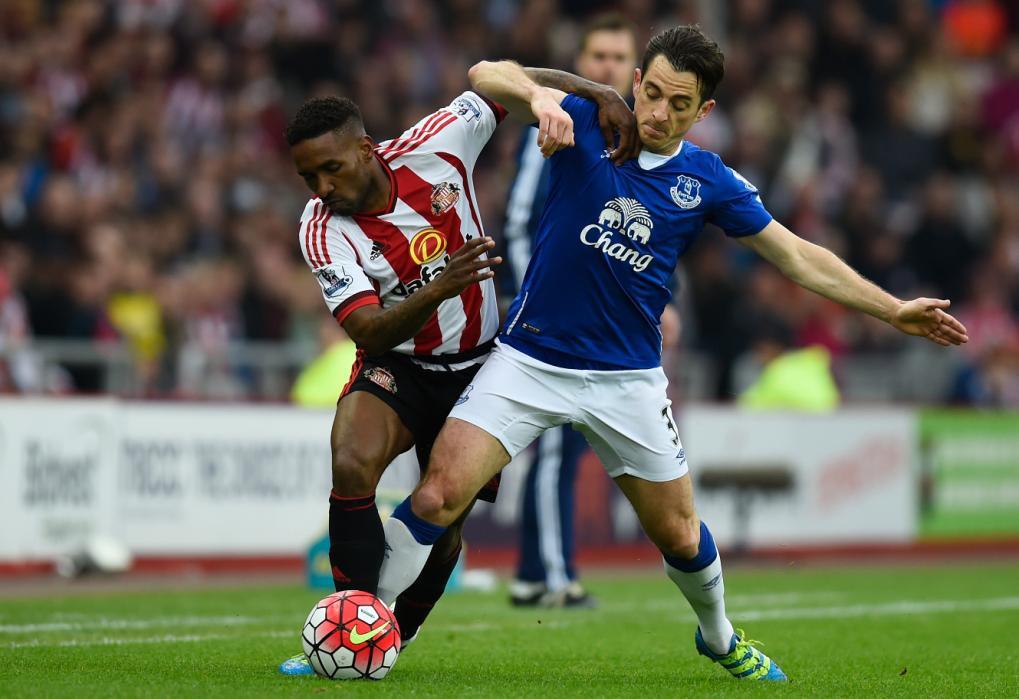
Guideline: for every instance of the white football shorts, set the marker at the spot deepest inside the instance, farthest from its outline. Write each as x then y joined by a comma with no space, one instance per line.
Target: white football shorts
625,415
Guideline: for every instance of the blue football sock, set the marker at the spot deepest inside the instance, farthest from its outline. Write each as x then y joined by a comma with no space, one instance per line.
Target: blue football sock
424,532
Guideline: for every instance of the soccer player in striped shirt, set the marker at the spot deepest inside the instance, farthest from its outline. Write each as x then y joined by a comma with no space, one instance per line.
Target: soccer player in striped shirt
394,238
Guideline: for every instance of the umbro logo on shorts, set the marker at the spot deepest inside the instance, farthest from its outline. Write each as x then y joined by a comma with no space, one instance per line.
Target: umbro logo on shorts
465,395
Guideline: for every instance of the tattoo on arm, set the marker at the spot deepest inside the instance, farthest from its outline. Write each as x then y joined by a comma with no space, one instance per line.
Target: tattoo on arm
567,82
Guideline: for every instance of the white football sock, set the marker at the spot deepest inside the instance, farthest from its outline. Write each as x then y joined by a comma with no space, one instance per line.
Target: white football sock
405,558
705,591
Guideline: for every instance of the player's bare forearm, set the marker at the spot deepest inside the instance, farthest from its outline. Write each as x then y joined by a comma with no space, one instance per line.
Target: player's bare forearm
823,272
568,82
614,114
506,83
377,330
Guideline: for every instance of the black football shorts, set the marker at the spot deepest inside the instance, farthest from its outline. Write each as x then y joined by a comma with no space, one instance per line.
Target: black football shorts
420,397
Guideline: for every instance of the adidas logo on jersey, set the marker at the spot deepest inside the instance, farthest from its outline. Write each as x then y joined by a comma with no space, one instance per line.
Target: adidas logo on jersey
377,250
621,219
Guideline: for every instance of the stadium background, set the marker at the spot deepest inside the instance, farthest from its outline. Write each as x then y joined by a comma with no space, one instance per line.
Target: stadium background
155,311
148,212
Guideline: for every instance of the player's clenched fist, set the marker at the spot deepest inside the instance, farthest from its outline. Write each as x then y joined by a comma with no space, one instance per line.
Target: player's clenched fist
615,115
467,266
555,126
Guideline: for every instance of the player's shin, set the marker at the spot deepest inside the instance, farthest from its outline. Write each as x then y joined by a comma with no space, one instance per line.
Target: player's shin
409,541
700,581
356,542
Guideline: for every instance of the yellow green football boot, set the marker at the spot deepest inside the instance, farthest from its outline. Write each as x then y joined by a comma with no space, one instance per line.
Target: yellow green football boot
743,661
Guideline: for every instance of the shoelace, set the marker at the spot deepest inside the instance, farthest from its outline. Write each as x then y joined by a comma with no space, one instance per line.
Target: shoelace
749,641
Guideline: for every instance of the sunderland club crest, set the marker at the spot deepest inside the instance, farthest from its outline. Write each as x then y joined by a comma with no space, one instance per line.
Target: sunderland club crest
444,197
686,192
382,378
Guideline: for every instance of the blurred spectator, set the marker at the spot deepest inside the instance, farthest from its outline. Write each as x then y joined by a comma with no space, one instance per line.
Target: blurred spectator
991,377
319,384
19,368
147,191
976,27
785,378
938,249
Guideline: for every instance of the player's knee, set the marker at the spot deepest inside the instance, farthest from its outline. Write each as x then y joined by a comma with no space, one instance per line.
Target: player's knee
682,539
432,502
353,475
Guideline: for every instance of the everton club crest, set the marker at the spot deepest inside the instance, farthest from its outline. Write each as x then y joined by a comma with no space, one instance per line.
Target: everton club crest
444,197
686,192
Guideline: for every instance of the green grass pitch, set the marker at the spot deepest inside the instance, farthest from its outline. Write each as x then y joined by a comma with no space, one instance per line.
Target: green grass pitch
838,632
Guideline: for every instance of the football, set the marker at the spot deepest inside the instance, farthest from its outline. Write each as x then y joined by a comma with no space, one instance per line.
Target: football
351,635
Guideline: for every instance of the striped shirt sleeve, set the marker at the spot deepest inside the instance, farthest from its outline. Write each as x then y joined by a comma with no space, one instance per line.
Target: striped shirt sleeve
476,119
334,262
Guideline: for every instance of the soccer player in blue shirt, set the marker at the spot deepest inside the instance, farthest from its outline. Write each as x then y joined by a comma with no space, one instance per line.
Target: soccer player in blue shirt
581,343
546,569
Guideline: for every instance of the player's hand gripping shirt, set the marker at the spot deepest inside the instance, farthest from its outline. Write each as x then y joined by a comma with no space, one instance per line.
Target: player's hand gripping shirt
607,242
383,257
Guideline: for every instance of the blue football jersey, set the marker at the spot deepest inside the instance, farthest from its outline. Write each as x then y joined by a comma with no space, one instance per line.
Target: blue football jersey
608,241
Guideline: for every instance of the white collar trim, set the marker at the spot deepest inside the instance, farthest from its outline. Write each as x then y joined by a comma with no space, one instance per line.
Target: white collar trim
649,161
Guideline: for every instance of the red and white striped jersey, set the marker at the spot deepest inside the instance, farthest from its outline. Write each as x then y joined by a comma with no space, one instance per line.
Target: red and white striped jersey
384,257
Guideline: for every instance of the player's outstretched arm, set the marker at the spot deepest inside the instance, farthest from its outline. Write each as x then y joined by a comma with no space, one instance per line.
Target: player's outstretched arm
820,270
377,330
614,114
508,84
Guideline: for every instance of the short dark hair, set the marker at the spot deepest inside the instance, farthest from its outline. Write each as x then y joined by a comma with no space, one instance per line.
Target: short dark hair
606,22
687,48
320,115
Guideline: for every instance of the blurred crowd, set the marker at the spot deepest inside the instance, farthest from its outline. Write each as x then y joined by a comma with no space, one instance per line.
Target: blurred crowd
147,196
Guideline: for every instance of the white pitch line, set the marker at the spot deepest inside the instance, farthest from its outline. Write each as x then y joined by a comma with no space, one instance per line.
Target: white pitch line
168,638
137,624
748,600
783,597
898,608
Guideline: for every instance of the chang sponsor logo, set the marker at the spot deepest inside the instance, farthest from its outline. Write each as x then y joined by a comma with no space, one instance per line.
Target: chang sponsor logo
622,221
